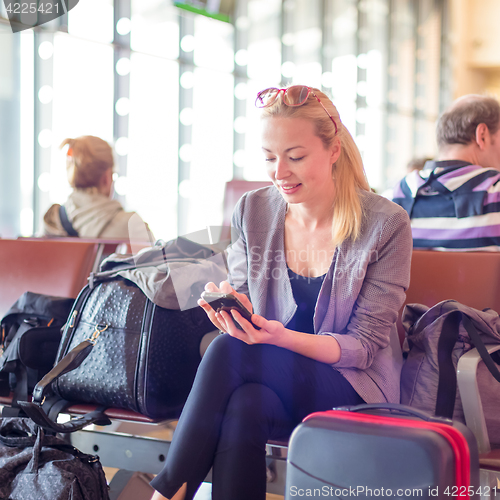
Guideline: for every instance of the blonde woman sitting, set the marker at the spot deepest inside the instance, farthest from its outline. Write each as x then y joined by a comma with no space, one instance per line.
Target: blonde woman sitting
323,263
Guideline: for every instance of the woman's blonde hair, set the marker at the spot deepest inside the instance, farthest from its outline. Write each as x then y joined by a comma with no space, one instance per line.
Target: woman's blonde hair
348,171
89,158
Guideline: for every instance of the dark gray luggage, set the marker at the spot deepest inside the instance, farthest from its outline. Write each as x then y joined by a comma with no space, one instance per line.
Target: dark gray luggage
344,453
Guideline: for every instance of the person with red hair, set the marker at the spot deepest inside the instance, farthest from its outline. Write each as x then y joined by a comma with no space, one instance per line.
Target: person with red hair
90,211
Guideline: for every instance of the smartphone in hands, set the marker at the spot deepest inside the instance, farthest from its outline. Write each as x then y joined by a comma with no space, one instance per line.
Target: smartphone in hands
225,302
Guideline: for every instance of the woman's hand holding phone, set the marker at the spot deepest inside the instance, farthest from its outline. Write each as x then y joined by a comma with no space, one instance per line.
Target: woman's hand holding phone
227,302
253,329
217,300
215,316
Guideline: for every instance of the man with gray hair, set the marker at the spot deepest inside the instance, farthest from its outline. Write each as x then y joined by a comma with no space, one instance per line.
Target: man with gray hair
454,202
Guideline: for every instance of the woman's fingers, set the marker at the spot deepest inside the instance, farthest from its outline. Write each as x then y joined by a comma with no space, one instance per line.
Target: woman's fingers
221,321
225,287
239,319
214,317
247,334
249,326
211,287
231,327
229,320
245,301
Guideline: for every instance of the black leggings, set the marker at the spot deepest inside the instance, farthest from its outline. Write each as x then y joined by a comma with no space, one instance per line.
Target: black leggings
244,395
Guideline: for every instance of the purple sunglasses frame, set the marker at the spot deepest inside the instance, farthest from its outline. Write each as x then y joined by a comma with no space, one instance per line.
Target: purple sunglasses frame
259,103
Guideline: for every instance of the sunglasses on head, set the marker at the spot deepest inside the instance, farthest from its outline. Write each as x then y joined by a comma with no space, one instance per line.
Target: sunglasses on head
292,96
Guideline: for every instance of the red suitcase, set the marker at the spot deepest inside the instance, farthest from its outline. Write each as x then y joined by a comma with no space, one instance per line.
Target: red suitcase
389,450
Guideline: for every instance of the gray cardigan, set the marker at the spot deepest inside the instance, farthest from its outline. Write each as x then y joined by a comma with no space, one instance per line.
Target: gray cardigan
361,294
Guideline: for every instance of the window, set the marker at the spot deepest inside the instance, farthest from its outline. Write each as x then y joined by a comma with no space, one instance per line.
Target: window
151,182
82,102
212,152
155,28
92,20
10,123
174,93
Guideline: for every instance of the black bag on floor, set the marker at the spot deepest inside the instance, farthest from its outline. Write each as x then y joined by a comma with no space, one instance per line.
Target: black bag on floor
36,466
31,333
125,351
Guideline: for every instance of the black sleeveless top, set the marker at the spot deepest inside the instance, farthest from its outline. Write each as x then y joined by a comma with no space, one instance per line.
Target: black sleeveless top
305,292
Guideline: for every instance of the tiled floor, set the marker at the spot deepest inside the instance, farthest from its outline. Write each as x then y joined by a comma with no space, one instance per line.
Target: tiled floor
165,431
204,493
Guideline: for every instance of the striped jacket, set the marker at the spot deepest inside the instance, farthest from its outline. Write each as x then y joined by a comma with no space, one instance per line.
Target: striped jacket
452,205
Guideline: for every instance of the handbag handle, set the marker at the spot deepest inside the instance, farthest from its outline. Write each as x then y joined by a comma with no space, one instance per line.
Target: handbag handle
36,413
70,362
397,408
19,438
18,441
481,348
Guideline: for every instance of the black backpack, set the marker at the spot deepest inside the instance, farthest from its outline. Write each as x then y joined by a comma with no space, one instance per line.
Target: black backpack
30,337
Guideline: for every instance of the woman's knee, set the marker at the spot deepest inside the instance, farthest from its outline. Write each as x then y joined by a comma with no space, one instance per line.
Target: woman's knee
220,359
222,346
255,405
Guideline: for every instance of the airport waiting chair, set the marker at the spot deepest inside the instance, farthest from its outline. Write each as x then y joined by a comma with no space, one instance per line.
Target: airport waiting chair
233,191
137,443
105,247
472,279
467,277
43,266
435,276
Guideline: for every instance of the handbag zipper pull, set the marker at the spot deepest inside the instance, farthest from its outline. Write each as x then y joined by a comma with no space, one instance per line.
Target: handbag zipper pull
95,335
73,317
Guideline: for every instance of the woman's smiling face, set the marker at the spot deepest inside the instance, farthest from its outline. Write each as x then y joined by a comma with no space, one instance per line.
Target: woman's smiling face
297,161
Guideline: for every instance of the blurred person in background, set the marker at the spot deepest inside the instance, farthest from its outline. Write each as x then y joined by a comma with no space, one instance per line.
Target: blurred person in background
90,211
416,164
454,201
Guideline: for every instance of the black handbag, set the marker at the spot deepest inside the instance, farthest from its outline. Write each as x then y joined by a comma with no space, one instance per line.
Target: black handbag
31,334
131,353
36,466
121,350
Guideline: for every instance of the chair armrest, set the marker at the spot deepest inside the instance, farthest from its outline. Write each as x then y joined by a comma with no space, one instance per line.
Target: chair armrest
471,399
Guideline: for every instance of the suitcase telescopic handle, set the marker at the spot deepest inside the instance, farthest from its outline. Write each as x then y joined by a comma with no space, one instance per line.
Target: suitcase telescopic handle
396,408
